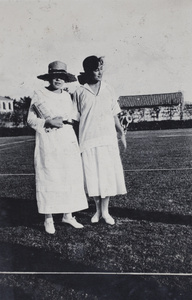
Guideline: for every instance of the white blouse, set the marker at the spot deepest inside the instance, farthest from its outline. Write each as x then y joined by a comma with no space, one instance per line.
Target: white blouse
96,115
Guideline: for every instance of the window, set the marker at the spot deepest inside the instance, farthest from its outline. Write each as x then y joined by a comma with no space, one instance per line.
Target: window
4,106
10,105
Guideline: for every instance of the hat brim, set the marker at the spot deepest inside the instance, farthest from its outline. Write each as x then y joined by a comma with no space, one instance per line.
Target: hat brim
67,77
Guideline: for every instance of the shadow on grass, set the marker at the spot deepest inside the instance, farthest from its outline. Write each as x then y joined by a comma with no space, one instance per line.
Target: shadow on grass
24,212
19,258
144,215
14,257
151,216
84,286
16,212
116,287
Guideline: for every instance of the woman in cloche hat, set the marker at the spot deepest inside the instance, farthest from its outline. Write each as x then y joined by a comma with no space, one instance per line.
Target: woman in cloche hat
58,169
98,109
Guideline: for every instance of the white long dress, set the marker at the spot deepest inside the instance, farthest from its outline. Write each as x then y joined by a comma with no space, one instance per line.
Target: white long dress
58,166
102,165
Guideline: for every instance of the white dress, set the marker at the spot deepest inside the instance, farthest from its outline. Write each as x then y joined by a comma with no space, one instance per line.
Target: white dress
58,166
102,165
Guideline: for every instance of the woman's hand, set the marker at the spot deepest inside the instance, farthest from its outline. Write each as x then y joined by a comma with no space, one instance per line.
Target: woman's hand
54,123
120,131
123,140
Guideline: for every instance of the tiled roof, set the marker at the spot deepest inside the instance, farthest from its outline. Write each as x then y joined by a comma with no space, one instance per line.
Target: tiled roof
5,99
150,100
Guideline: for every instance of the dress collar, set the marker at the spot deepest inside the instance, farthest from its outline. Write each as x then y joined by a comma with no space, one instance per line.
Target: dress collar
46,92
87,87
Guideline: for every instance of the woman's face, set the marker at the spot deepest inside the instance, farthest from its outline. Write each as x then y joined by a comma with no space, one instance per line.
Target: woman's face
57,83
97,74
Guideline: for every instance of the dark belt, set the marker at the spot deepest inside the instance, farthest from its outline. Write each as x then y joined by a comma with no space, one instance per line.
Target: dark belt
67,123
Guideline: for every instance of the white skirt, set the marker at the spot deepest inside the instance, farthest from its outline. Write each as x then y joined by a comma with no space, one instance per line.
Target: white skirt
59,173
103,171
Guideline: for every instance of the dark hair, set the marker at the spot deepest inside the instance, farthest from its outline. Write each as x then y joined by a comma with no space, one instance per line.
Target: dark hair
90,64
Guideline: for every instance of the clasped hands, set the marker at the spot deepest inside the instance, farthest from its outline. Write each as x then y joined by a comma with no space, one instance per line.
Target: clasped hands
56,122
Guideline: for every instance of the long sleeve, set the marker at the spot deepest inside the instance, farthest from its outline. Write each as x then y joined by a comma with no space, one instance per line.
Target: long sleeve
76,110
33,120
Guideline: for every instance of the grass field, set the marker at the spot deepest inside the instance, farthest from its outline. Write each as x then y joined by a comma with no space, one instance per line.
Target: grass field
153,231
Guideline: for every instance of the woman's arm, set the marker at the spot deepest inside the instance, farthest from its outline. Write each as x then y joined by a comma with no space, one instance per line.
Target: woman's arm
39,118
120,131
56,122
33,120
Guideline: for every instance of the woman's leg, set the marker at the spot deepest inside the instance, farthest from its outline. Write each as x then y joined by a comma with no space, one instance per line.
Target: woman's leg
97,215
67,218
105,207
49,225
47,216
105,211
67,215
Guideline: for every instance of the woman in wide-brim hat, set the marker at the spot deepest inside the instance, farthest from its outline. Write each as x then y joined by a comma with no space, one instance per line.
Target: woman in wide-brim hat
58,169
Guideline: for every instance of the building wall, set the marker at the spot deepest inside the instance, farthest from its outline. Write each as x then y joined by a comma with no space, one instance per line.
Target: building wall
6,105
155,113
187,112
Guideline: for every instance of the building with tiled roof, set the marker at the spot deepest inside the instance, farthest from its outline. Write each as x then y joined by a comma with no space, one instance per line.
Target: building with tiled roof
153,107
168,99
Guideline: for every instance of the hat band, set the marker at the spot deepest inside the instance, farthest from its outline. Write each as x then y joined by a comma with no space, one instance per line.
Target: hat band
57,71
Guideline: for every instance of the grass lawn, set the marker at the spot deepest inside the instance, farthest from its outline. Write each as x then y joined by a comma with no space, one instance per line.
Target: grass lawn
152,235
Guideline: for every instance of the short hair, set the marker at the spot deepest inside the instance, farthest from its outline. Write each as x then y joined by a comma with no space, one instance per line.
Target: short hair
91,63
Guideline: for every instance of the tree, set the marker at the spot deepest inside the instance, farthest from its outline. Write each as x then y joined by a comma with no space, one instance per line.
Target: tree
5,118
20,112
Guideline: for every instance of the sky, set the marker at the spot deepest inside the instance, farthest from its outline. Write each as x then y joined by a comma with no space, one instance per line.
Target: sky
147,44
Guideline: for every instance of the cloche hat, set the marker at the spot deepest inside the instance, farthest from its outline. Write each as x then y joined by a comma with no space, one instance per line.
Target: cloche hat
57,69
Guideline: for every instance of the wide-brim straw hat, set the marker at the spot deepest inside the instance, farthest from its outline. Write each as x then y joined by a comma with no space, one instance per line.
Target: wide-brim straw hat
57,69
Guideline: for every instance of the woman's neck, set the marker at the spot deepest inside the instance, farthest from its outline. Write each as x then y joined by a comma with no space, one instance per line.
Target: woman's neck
93,81
95,86
57,91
